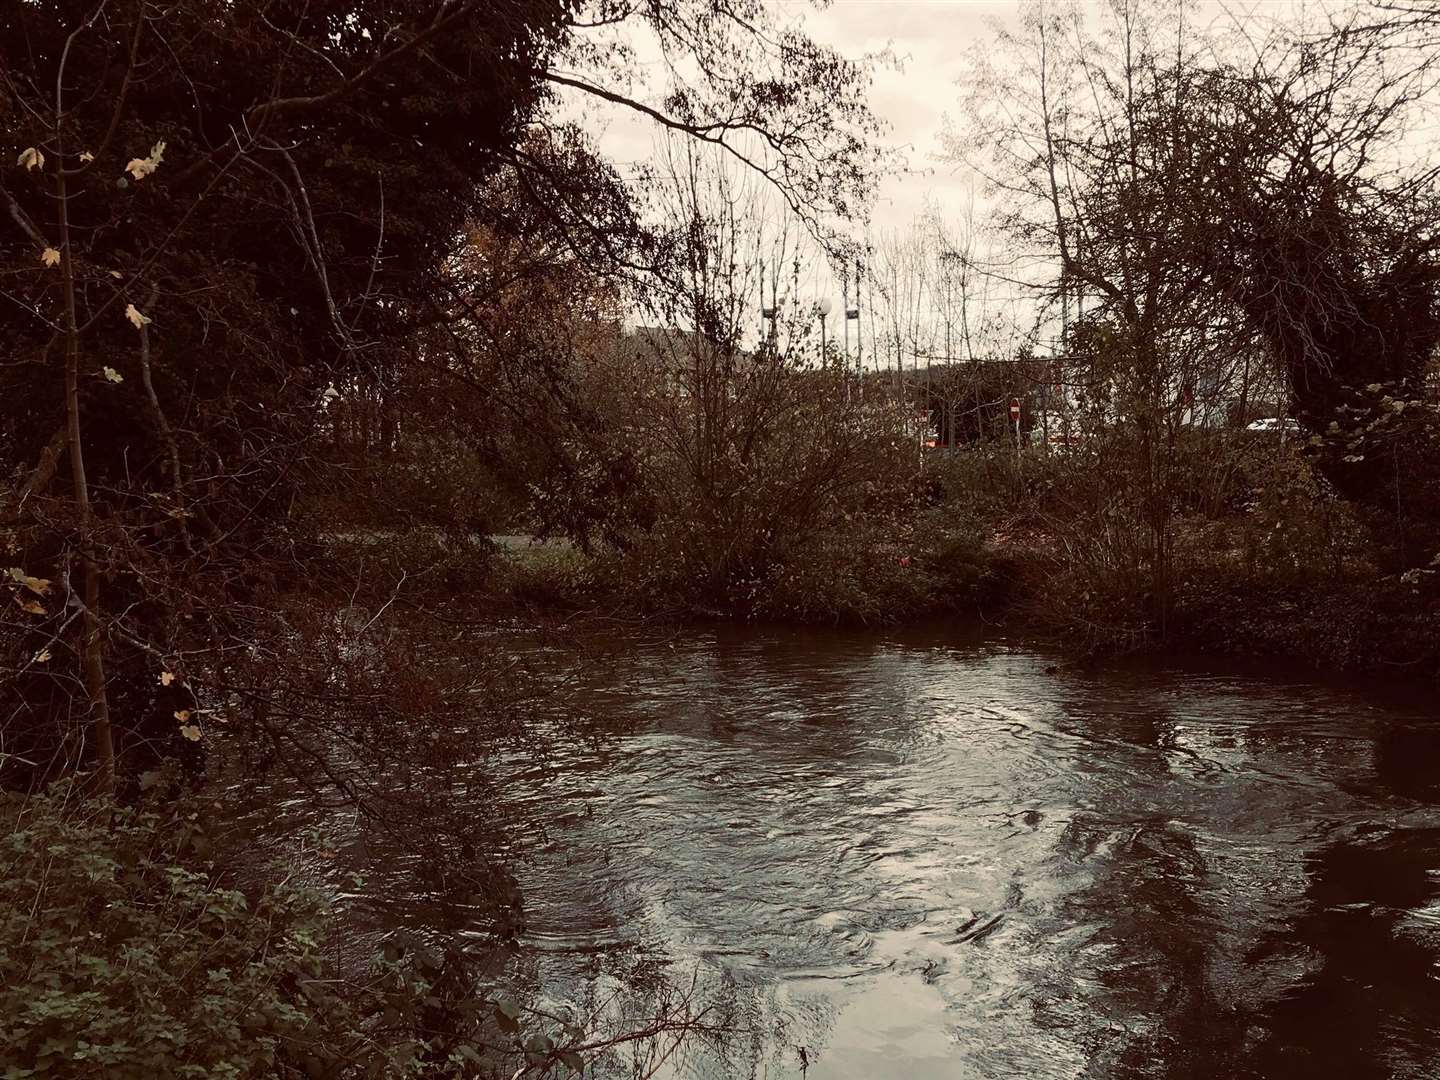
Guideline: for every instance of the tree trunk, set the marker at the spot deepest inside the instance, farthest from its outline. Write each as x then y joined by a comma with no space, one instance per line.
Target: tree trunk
92,642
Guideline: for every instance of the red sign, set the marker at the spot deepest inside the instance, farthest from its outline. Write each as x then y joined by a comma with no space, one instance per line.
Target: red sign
1014,408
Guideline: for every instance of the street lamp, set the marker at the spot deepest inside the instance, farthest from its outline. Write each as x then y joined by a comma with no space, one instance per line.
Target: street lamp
822,308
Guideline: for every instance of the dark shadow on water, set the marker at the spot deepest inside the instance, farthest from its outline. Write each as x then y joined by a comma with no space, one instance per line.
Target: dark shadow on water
1370,1008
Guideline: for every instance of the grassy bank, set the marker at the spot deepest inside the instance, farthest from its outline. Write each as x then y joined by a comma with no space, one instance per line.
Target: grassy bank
1259,562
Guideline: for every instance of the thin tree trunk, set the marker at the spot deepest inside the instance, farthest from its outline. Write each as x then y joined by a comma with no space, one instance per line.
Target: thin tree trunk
92,645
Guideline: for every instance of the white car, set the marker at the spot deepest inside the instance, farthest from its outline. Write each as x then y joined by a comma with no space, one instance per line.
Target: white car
1288,424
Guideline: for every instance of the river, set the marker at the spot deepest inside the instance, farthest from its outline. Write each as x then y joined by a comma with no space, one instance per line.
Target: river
928,856
924,857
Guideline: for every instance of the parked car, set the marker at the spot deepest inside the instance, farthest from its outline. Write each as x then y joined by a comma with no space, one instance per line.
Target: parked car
1285,425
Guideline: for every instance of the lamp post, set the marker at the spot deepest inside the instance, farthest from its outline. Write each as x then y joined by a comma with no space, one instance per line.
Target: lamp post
853,313
822,309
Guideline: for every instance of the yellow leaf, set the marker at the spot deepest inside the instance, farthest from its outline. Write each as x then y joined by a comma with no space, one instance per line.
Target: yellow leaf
140,168
182,715
113,375
166,678
86,156
42,656
31,158
116,274
50,256
39,586
191,732
137,317
32,606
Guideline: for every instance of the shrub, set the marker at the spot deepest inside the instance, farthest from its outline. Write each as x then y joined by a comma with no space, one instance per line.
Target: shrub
549,575
862,574
120,957
118,960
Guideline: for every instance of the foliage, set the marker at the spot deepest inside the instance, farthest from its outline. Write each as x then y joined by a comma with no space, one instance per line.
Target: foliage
1295,530
881,570
121,957
553,575
754,473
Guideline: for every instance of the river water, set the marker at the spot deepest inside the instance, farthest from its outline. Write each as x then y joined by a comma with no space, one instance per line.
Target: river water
922,856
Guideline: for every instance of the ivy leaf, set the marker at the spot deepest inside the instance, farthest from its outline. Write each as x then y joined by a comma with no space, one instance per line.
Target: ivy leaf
137,317
50,256
113,375
31,158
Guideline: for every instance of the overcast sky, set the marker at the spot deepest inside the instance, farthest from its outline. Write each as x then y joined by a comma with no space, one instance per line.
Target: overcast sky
928,39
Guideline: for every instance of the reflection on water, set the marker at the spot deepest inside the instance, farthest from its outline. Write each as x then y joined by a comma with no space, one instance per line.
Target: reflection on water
916,858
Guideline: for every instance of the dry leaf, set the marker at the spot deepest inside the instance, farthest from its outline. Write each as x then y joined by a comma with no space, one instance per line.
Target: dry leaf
140,168
32,606
137,317
50,256
191,732
39,586
166,678
182,715
116,274
42,656
31,158
113,375
86,156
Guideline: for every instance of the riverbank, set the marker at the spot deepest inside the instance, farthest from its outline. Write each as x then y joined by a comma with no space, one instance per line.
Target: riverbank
1363,623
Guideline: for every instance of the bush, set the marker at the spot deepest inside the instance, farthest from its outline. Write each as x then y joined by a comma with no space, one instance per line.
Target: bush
863,574
118,960
550,575
121,958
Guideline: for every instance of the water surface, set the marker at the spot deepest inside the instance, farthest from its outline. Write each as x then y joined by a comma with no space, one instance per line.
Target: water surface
924,857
